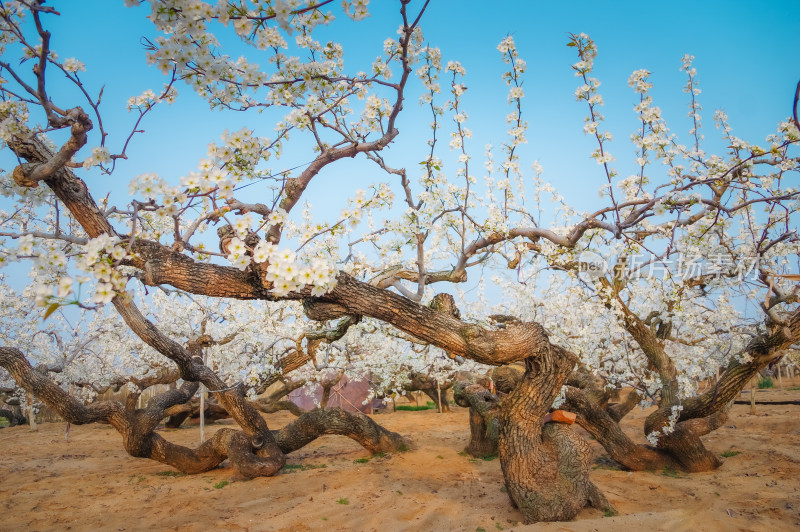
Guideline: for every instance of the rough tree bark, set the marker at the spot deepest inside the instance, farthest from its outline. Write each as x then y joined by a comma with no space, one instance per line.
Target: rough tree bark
275,388
178,414
484,405
545,465
271,391
231,398
270,407
135,426
546,468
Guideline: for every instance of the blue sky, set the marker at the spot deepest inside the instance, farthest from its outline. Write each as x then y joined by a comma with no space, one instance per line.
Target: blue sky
746,57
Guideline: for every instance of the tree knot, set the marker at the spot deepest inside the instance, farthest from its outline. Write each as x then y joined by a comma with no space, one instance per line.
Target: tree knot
446,304
21,175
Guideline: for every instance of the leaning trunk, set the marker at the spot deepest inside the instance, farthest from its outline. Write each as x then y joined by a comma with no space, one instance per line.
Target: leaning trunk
355,425
602,425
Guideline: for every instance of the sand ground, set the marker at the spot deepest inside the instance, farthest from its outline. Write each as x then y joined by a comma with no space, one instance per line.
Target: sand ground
89,483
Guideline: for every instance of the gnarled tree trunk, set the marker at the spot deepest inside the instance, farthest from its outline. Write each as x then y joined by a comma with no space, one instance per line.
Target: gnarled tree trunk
355,425
546,468
484,421
13,418
430,387
681,448
545,465
191,410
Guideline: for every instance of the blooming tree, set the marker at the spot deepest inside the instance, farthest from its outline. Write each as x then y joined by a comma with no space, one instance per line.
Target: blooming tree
662,307
396,240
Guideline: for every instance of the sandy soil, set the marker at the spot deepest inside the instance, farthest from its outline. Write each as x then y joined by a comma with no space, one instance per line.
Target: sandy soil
89,483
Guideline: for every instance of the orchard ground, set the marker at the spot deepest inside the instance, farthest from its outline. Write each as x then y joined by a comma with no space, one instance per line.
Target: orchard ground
89,483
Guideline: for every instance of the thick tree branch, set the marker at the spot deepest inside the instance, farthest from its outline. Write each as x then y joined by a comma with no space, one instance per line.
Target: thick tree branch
356,426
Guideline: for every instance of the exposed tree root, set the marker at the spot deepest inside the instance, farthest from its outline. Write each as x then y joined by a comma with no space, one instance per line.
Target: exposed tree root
248,457
354,425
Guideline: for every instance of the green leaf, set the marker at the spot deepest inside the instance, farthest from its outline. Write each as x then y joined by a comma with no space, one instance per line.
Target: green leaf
571,44
52,308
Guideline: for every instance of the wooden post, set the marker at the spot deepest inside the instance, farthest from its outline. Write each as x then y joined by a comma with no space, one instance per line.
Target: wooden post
753,395
203,400
438,386
66,430
202,413
343,398
31,414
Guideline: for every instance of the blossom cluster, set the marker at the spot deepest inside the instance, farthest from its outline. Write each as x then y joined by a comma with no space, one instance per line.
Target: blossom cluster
428,73
13,116
356,9
73,65
100,156
692,89
148,99
668,428
193,51
284,270
653,137
99,257
588,91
